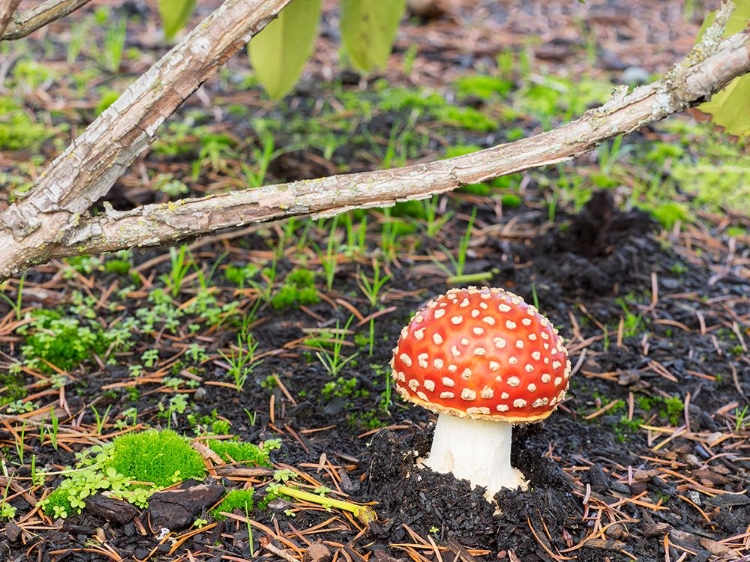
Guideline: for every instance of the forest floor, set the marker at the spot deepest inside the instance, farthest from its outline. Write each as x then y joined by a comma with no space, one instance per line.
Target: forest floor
280,335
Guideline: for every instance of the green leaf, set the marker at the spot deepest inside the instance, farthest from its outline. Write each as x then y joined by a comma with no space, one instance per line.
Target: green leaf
279,52
368,29
175,15
730,108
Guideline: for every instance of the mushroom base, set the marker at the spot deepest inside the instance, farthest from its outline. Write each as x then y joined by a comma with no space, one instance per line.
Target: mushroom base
477,451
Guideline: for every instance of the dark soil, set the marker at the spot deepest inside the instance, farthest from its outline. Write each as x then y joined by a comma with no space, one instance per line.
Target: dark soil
647,459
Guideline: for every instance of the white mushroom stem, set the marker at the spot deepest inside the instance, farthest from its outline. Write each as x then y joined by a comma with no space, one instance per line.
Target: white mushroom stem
475,450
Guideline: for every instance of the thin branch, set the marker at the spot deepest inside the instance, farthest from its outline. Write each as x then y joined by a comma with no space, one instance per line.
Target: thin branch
30,20
91,164
7,9
687,84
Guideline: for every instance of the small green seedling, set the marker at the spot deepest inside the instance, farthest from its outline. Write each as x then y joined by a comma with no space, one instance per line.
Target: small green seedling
241,359
740,418
333,361
7,511
181,262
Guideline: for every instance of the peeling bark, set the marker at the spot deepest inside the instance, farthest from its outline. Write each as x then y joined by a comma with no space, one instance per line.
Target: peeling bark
7,9
30,20
31,229
53,220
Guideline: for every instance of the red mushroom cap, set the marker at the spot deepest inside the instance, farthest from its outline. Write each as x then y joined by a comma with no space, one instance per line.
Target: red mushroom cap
482,353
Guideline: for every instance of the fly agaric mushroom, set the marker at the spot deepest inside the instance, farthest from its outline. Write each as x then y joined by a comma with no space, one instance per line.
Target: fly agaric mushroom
483,360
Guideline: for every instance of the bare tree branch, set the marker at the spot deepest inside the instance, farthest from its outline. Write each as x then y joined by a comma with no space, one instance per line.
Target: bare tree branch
7,9
162,224
52,221
29,21
91,164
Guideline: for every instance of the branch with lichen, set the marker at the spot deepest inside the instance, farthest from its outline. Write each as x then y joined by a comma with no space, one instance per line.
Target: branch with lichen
28,21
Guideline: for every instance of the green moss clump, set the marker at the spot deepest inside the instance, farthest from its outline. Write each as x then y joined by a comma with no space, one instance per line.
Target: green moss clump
298,289
413,209
482,86
466,118
301,278
238,451
669,213
161,457
236,499
18,130
61,341
407,99
511,201
11,388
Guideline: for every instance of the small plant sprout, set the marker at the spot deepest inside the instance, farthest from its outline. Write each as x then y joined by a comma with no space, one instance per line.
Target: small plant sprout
20,442
356,238
333,361
630,321
251,417
150,358
7,511
241,359
740,418
456,273
181,263
250,540
110,55
371,288
388,236
37,474
330,259
263,153
434,223
177,405
101,419
54,422
504,364
17,304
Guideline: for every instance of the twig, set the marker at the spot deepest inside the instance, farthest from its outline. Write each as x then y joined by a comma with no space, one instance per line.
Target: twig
280,553
7,9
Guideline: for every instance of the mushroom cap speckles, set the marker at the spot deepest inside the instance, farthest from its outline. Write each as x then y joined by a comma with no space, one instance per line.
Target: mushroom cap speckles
507,363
